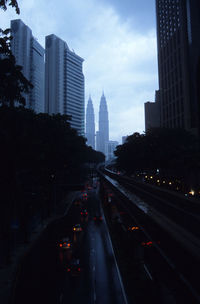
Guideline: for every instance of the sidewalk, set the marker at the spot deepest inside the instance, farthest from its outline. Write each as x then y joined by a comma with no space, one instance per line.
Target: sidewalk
8,273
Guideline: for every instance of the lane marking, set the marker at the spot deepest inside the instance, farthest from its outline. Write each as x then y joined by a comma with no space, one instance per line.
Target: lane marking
148,272
117,268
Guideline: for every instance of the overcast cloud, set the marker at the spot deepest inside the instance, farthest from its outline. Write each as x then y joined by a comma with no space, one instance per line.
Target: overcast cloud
118,44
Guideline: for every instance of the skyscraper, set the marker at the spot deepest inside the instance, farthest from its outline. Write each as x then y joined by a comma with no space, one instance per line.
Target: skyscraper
30,55
90,124
152,113
103,134
64,82
178,32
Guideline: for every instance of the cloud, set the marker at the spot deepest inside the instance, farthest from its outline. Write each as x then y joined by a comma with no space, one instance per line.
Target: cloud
119,59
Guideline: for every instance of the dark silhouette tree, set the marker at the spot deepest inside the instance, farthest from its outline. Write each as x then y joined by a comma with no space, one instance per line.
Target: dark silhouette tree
4,4
170,150
13,84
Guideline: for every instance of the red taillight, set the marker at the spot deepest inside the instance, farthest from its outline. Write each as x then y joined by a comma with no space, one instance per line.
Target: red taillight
60,245
79,269
68,269
147,243
81,213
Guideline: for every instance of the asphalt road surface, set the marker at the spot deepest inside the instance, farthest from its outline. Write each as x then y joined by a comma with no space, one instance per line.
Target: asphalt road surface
43,276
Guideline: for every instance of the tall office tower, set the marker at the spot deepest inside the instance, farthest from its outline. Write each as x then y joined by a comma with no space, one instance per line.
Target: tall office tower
110,148
178,32
64,82
90,124
152,113
30,55
103,135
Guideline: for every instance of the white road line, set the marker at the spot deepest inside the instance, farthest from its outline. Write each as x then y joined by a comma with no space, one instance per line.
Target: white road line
148,272
118,272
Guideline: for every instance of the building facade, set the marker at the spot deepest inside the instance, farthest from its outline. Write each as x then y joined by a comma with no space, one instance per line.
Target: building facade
103,133
30,55
64,82
110,148
178,32
90,124
152,113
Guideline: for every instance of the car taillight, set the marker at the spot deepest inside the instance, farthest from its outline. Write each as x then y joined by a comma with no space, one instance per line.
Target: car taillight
79,269
68,269
60,245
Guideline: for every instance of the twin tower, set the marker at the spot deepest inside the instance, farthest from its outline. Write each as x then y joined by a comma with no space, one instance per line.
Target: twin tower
102,136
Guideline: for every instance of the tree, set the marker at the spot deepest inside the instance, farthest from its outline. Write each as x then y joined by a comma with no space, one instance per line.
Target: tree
170,150
13,3
13,84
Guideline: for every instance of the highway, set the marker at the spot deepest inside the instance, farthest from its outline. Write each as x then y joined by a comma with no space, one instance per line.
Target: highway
43,276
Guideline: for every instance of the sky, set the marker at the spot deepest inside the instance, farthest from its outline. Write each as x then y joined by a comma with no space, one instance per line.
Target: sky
116,39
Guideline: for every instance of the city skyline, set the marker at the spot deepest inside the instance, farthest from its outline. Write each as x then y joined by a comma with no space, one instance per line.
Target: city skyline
121,61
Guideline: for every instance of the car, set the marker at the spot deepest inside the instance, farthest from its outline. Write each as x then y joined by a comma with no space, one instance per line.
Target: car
84,213
98,218
74,267
77,228
84,196
65,244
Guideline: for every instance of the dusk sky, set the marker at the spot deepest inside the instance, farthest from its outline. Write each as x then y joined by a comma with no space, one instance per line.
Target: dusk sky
117,40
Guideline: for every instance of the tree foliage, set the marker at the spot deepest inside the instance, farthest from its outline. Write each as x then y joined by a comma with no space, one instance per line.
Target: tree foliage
171,150
13,84
4,5
41,143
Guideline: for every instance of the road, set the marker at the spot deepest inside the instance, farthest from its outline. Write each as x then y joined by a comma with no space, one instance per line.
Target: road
43,277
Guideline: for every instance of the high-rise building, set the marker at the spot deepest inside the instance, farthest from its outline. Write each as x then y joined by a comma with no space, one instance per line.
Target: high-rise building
178,32
152,113
90,124
103,134
64,82
30,55
110,148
